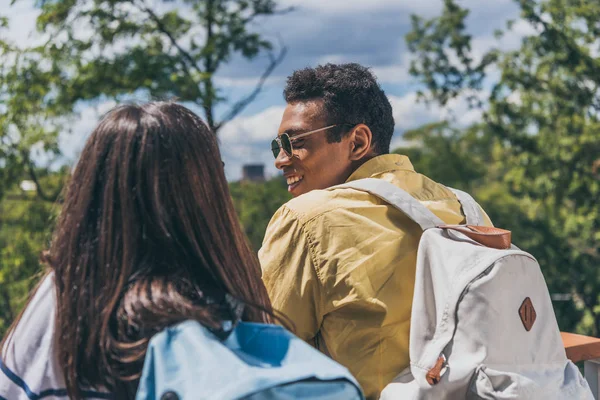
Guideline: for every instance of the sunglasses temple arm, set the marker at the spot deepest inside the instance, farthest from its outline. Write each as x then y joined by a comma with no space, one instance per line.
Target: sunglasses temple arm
311,132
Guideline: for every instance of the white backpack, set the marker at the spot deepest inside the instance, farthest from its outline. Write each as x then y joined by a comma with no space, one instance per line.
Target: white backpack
482,322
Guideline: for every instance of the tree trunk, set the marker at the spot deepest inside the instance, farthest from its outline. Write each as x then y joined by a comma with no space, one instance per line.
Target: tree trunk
209,69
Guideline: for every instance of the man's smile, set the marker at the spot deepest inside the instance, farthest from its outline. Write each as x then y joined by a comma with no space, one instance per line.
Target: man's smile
293,180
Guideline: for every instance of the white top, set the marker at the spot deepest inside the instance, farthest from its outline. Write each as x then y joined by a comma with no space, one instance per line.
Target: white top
28,366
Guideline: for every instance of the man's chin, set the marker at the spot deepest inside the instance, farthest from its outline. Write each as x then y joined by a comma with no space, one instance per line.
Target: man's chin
298,188
296,192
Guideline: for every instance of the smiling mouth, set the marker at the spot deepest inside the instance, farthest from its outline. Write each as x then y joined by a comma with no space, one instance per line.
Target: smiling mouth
293,180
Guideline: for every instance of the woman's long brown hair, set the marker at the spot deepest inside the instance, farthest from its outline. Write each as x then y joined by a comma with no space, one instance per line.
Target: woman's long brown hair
147,235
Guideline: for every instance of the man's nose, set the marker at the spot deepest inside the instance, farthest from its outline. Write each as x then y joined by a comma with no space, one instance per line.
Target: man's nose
282,159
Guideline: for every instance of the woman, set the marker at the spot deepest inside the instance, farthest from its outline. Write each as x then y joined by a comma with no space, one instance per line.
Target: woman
147,237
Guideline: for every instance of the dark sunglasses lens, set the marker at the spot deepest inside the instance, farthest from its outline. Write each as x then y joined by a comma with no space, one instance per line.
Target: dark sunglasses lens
275,148
286,144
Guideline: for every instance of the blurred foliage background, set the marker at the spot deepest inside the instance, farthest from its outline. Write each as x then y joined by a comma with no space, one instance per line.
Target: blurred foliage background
532,160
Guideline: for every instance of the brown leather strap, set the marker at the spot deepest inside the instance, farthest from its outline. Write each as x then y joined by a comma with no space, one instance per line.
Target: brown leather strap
434,375
485,235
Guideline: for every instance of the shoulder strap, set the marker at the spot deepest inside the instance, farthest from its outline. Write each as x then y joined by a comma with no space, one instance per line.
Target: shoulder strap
398,198
470,207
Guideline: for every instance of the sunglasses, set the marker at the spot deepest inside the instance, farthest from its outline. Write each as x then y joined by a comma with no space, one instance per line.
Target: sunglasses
284,142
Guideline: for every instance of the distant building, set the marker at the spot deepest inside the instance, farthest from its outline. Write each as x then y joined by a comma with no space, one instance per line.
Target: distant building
253,172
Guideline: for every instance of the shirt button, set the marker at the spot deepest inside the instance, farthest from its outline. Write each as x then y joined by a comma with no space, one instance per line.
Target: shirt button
170,395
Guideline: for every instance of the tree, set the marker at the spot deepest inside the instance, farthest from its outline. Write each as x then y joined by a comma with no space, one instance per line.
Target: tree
30,115
26,223
542,111
30,120
116,48
441,152
134,48
255,203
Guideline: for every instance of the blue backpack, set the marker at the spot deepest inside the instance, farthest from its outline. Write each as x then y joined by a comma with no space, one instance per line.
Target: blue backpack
255,362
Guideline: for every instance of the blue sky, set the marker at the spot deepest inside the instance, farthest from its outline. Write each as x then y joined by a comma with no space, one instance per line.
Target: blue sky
318,31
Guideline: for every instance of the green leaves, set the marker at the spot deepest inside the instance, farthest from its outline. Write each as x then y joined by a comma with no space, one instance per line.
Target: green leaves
441,150
119,47
255,203
25,225
543,115
106,49
432,41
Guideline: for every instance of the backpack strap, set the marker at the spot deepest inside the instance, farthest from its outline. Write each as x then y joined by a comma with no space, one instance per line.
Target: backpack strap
398,198
470,207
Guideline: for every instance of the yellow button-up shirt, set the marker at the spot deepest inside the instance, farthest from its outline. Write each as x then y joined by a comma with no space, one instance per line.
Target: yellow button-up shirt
341,265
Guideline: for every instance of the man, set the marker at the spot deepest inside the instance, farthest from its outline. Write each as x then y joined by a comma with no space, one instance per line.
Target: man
341,263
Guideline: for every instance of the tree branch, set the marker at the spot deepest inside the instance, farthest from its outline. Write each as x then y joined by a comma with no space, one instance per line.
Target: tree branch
241,104
163,29
189,62
209,68
38,188
255,14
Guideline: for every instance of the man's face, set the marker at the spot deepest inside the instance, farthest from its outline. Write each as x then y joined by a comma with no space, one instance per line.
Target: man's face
315,163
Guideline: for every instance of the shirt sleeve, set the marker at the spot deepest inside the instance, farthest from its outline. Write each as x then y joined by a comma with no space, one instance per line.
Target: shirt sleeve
289,274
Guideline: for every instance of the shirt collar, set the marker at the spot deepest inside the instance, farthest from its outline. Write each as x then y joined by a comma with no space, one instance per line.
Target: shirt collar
381,164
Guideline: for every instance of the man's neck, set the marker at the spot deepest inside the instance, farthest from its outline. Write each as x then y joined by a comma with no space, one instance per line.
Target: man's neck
359,163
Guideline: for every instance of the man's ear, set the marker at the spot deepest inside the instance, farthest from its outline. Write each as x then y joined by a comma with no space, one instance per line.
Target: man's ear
360,141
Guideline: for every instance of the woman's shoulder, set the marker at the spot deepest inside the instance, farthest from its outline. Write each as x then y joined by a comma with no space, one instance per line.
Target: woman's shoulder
36,325
28,364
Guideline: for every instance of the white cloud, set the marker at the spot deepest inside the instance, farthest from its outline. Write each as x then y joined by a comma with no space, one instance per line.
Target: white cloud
246,140
410,114
343,6
392,73
71,142
259,127
421,7
511,40
22,18
332,58
249,82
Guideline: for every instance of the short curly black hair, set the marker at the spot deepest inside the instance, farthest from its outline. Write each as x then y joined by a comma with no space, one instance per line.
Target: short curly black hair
350,94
